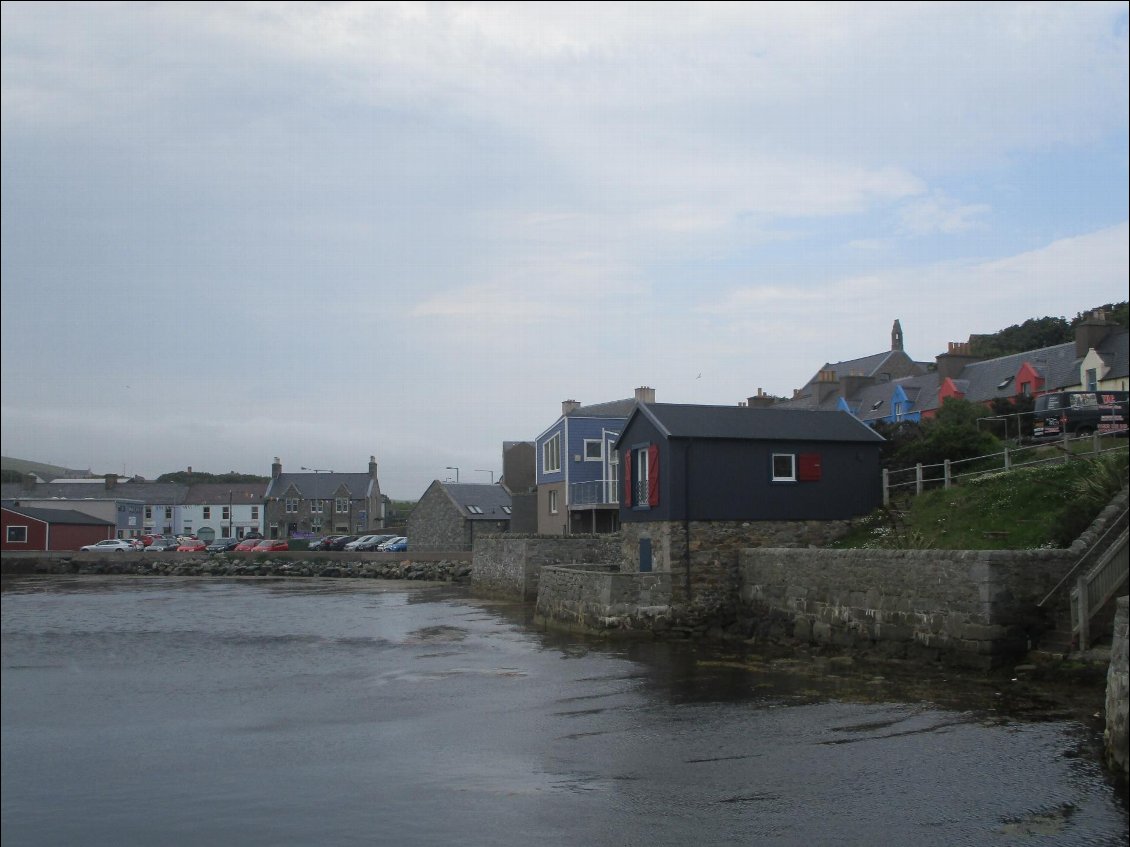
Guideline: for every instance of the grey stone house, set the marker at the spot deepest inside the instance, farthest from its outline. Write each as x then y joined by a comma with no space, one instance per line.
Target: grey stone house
323,502
451,515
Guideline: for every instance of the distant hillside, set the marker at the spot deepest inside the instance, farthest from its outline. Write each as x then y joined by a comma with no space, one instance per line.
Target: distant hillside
40,469
1035,333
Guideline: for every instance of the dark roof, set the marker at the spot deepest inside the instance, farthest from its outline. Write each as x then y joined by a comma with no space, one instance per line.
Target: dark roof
489,498
150,493
242,493
611,409
993,378
59,516
1115,353
320,486
753,424
921,392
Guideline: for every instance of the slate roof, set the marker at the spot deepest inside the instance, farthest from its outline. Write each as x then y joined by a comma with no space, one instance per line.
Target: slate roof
991,378
490,498
150,493
611,409
320,486
745,423
210,493
57,516
1115,352
921,392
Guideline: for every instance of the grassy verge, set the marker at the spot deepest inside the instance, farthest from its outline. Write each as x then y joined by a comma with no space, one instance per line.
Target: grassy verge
1029,508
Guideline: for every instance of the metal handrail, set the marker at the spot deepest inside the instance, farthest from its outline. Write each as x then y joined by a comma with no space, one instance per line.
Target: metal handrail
1096,549
1096,587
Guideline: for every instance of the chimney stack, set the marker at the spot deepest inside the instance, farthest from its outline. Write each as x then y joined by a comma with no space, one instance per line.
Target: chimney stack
644,394
761,400
953,361
569,406
276,469
1091,332
372,467
111,481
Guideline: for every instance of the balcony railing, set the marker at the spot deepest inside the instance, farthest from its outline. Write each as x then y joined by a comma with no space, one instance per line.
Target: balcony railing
599,492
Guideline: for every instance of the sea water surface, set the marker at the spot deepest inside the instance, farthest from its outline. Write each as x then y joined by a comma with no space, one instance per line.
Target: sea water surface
310,712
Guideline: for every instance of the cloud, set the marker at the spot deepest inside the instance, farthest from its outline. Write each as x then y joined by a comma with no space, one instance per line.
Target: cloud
939,213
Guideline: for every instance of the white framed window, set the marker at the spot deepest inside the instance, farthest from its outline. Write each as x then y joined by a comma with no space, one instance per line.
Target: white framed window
553,502
341,505
148,513
594,450
475,510
316,507
551,454
168,513
507,509
784,467
316,525
1092,379
225,513
17,534
207,512
254,513
291,505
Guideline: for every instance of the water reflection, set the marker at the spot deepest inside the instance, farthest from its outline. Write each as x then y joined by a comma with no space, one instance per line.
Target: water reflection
307,712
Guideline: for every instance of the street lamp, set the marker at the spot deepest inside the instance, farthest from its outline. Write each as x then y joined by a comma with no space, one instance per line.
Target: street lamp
484,470
450,468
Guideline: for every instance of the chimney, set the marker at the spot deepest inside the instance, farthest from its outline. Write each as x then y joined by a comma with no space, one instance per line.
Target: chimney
372,467
761,400
827,385
1091,332
853,383
111,481
953,361
569,406
276,469
190,469
645,394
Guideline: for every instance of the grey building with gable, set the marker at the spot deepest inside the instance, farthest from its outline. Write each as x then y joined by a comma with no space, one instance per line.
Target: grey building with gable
318,502
451,515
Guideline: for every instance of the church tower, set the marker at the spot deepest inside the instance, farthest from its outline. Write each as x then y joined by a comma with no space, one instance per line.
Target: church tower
896,336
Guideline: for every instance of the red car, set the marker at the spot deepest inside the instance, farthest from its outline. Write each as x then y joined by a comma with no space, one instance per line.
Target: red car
247,545
272,545
192,545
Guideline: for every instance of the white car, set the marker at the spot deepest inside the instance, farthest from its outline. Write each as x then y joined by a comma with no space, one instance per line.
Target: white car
118,545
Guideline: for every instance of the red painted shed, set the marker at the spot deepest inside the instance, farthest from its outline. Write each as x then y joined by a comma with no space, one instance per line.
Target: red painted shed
34,529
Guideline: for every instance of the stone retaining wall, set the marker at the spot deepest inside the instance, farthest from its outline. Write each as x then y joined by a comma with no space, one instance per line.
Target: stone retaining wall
273,564
971,607
511,565
601,599
1117,692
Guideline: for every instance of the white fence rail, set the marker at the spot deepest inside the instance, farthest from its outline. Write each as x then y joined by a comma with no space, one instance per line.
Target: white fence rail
917,479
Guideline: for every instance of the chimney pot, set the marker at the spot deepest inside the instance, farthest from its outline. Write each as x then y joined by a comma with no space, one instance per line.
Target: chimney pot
645,394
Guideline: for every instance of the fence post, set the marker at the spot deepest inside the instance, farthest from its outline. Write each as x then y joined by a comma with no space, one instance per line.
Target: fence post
1084,614
918,478
1095,442
1007,459
946,473
886,488
1066,447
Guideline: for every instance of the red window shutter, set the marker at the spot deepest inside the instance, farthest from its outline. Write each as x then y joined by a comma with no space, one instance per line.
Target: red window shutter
653,475
808,467
628,478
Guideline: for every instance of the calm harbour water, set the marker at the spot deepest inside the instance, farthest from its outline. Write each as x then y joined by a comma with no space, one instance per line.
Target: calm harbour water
198,712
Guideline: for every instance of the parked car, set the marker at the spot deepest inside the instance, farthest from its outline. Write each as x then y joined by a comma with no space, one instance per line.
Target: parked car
374,542
192,545
339,542
116,545
271,545
161,545
357,542
400,545
246,545
223,545
386,545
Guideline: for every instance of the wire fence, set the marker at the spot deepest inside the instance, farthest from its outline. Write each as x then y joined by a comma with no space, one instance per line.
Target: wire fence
915,480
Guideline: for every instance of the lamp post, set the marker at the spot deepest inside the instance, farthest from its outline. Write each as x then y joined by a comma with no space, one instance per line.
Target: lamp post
484,470
450,468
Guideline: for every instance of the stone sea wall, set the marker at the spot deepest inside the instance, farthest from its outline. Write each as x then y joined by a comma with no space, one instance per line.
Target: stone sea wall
1117,694
297,564
970,607
511,565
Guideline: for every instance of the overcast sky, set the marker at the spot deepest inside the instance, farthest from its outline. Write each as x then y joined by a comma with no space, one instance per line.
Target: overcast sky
320,232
